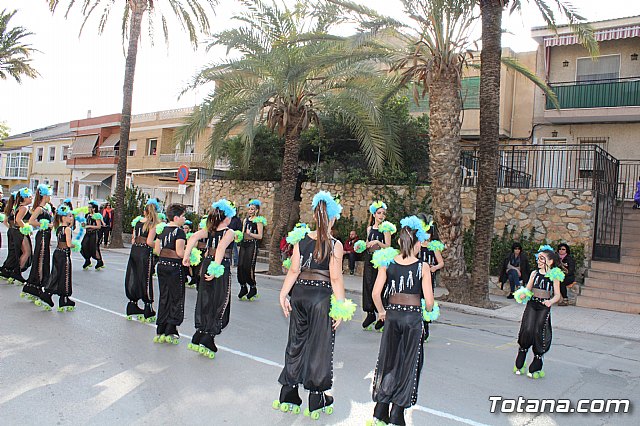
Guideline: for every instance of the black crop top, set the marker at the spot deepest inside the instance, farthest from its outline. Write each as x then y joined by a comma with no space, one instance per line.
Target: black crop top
428,256
375,234
44,215
91,221
214,239
543,283
306,247
12,216
405,279
170,235
250,226
60,235
139,231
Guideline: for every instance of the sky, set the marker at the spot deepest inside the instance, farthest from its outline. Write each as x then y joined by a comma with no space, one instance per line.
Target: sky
82,73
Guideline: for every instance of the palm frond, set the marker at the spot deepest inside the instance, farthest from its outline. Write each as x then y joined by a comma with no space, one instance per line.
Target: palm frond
515,65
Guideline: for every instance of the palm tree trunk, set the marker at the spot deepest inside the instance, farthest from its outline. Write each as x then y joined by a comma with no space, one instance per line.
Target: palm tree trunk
488,165
138,8
284,199
444,150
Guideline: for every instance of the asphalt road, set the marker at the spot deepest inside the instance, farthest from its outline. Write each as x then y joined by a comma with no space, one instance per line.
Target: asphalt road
92,366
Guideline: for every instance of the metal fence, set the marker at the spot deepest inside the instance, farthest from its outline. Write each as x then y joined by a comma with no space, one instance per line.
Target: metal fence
629,175
618,92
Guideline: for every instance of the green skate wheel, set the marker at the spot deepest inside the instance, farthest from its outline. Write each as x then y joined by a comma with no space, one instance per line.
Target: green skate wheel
306,412
162,338
71,308
47,308
38,303
60,309
175,341
140,317
190,346
275,404
296,409
22,295
202,349
315,415
10,280
212,355
156,339
328,410
129,317
541,374
370,423
284,407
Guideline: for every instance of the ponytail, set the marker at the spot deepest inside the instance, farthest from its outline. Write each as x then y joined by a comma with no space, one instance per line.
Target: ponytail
407,241
372,220
324,246
214,219
8,209
151,215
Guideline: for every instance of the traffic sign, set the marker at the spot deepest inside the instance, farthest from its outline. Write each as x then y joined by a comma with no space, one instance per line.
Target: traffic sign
183,174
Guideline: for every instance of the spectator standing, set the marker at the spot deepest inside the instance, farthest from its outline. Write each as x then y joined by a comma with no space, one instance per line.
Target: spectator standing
107,218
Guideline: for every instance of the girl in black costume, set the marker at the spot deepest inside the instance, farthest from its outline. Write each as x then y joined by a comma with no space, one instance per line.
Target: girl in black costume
41,219
91,240
19,249
403,279
376,239
60,280
541,292
169,245
431,254
316,307
138,281
252,232
214,291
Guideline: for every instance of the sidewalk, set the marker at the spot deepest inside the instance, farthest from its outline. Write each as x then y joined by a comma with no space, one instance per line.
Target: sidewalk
572,318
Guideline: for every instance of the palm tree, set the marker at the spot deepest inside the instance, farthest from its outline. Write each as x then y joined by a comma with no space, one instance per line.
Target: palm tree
289,75
193,18
432,56
15,55
488,164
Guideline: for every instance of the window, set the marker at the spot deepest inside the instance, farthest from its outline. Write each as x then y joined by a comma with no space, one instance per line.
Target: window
65,152
604,68
189,147
39,154
67,189
55,187
17,165
133,146
35,183
52,153
586,162
152,146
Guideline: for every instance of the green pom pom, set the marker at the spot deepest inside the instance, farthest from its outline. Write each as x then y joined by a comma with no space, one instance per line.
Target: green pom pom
26,230
160,227
203,223
3,217
215,269
76,246
431,315
162,216
360,246
555,274
435,245
80,210
260,219
96,216
286,264
384,257
387,227
135,221
195,257
342,309
522,295
298,233
238,236
44,224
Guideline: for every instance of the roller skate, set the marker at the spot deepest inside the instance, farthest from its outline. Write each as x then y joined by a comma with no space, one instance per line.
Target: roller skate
149,313
289,400
29,292
172,336
397,416
208,346
535,369
380,415
319,402
17,279
87,264
45,301
159,337
134,311
368,321
243,292
253,293
66,304
100,265
379,327
520,360
194,345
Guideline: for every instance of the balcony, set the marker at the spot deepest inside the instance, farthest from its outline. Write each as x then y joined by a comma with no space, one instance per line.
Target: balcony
182,158
595,101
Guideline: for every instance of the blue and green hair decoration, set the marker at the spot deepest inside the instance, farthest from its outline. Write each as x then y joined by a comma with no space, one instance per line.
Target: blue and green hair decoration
373,208
413,222
225,206
333,207
254,202
25,192
155,203
44,190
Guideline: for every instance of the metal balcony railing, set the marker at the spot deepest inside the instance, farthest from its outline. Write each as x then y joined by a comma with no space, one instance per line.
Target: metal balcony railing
181,158
621,92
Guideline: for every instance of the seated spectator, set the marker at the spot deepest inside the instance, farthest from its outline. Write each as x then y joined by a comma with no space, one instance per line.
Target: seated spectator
350,251
564,251
515,268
